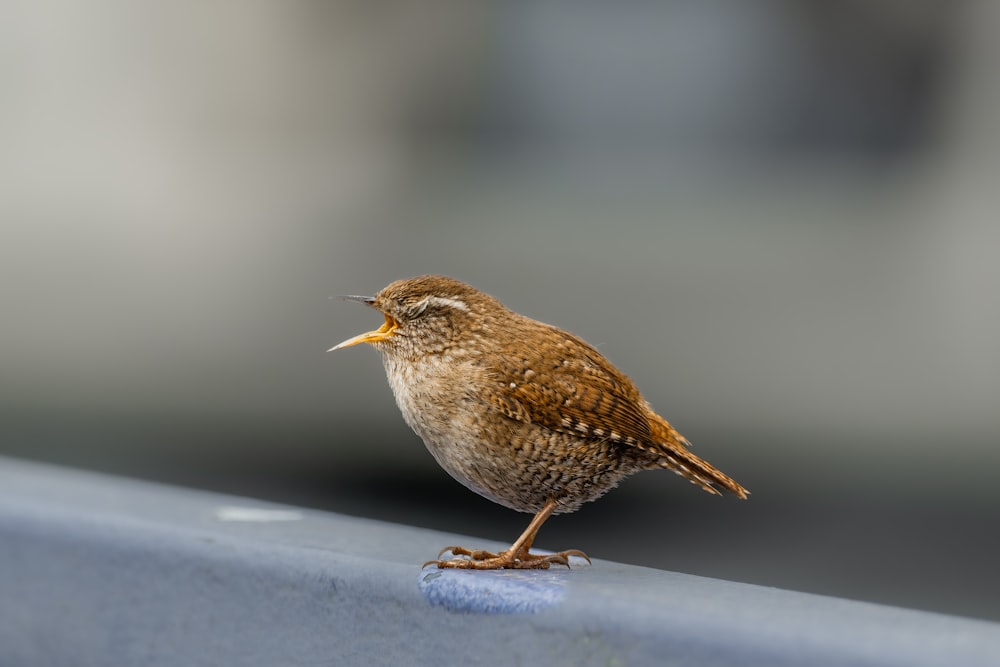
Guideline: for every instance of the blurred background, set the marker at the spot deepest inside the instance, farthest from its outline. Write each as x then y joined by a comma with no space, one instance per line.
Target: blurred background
780,218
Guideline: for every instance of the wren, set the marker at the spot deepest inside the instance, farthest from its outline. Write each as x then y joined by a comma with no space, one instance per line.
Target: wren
521,412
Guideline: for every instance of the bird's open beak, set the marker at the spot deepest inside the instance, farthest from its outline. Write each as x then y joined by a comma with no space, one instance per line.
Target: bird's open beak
383,332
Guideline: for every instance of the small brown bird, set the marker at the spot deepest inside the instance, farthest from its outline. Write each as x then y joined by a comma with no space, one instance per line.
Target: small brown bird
519,411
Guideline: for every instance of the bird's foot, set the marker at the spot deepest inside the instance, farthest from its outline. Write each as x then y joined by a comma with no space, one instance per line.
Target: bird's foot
478,559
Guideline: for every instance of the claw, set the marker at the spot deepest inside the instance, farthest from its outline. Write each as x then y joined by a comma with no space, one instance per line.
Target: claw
578,554
444,551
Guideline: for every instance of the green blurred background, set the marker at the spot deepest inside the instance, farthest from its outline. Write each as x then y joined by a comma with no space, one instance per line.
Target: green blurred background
780,218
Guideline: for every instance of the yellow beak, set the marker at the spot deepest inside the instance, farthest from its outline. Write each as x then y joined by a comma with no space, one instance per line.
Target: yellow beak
383,332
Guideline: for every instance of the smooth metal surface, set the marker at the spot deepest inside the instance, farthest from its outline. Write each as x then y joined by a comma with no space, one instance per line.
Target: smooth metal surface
98,570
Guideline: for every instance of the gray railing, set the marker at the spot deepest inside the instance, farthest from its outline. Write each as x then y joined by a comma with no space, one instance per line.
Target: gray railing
98,570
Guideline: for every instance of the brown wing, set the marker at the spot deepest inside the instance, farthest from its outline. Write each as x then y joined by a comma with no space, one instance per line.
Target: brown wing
569,388
573,389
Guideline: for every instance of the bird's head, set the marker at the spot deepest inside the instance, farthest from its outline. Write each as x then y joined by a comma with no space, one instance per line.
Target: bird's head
424,315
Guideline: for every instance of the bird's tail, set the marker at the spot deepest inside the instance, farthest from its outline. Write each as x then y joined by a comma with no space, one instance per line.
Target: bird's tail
672,449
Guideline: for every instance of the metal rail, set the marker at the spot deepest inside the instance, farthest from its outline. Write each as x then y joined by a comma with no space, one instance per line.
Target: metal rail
99,570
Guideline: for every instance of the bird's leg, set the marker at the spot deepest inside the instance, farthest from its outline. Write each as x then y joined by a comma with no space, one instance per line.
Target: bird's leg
517,557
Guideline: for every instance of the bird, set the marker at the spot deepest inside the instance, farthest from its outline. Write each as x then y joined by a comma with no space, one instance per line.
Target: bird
521,412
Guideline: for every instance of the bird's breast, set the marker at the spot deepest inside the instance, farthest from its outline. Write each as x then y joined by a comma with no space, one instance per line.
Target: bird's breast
436,397
438,400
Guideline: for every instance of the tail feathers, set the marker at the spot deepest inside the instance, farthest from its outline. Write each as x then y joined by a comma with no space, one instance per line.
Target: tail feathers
672,451
702,473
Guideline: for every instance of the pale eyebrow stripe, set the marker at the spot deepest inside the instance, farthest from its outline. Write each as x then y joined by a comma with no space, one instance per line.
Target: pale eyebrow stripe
458,304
